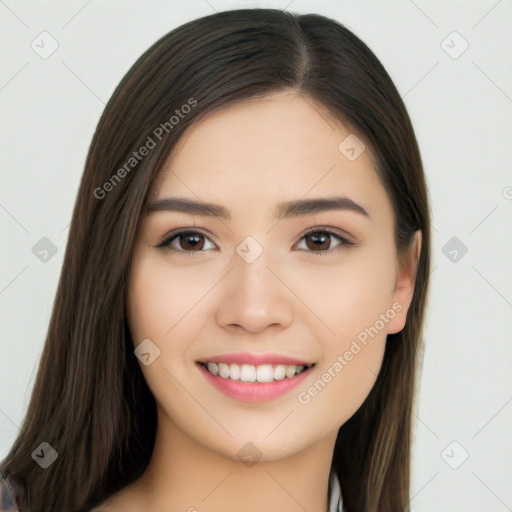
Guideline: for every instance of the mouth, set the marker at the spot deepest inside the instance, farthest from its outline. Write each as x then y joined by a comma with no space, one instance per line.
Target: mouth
254,373
254,377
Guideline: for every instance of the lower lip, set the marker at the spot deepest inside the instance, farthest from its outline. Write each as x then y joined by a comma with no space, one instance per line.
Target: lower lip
255,391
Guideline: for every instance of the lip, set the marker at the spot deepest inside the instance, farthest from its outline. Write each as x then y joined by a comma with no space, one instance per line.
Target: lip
255,359
254,391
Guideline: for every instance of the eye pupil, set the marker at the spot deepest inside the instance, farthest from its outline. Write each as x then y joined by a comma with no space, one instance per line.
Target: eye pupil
193,236
323,239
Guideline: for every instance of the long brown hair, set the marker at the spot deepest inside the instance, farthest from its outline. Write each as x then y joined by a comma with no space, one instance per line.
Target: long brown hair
90,401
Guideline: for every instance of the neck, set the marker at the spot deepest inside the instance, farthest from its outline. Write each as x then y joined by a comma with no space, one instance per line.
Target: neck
184,475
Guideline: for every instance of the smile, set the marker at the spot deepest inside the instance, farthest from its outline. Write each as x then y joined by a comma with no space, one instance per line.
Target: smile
255,373
254,378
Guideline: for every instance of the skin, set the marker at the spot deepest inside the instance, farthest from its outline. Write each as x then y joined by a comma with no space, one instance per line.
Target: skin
294,299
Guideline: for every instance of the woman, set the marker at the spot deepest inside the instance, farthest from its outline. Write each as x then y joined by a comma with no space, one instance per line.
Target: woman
239,315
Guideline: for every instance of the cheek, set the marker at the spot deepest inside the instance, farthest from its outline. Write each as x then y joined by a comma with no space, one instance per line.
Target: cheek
162,306
341,385
347,294
350,298
161,299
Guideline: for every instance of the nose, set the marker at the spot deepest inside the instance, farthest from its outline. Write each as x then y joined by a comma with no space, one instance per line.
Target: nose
254,296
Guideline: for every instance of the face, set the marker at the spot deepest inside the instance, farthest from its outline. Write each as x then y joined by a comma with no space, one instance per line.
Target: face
267,323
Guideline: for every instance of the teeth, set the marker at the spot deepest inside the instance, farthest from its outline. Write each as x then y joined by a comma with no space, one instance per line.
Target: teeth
280,372
213,368
251,373
224,370
264,373
248,373
290,370
234,372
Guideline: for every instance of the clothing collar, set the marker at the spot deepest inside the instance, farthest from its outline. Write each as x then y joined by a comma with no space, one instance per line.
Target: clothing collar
335,502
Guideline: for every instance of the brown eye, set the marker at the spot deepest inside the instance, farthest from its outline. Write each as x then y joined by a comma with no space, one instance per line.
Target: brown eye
191,241
187,241
320,241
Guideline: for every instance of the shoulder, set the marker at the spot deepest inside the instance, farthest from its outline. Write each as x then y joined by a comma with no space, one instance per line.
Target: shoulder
102,507
125,500
99,508
7,496
106,506
8,500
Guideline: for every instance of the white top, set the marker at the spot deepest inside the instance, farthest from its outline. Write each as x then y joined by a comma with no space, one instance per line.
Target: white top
335,501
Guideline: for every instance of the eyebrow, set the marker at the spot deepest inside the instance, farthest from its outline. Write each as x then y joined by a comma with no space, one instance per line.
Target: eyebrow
284,210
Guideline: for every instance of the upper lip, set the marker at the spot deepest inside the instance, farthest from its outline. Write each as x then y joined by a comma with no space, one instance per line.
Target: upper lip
255,358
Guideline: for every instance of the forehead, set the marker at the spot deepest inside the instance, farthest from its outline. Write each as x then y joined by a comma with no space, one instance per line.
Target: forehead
281,147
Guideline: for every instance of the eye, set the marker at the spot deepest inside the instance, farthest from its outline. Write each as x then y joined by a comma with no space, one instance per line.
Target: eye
190,241
320,238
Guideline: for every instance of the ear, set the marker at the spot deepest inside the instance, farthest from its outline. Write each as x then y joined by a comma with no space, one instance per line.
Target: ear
404,284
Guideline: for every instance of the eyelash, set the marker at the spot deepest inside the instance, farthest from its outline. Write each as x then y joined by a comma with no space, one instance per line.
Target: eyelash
166,241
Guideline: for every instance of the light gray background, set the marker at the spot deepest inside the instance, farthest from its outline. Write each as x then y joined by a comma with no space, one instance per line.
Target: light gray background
461,109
